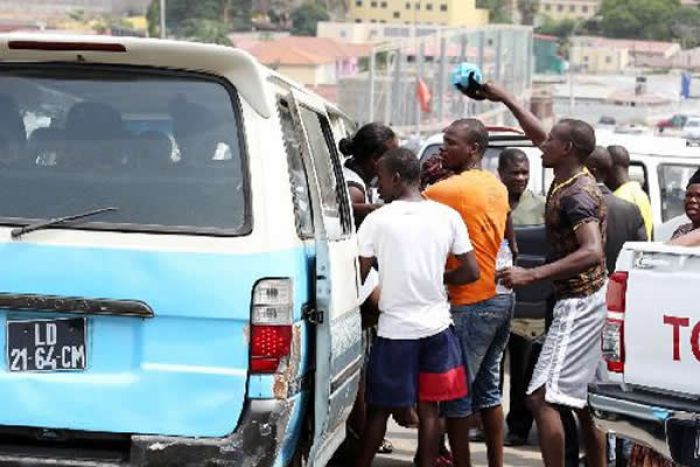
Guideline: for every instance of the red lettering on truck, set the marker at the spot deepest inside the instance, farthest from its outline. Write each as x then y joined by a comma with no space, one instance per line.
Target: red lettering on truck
695,341
677,322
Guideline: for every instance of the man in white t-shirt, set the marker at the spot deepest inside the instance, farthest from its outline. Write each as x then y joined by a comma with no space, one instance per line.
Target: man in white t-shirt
416,357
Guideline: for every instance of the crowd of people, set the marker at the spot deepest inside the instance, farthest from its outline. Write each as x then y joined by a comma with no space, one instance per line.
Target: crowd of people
439,325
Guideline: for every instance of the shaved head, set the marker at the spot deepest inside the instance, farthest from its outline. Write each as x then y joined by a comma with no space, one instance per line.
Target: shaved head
600,164
620,156
473,131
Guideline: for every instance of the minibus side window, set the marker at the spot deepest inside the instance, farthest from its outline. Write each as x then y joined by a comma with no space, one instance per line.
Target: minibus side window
328,173
297,174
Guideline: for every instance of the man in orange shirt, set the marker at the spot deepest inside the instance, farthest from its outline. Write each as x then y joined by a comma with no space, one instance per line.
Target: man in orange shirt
481,317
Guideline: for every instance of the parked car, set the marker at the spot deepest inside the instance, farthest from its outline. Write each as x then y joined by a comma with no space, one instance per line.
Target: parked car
179,281
677,121
691,131
652,347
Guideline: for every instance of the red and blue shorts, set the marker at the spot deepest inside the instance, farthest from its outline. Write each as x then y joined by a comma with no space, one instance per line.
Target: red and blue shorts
402,372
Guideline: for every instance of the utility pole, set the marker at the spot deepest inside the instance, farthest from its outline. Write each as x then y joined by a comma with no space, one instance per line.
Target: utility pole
162,19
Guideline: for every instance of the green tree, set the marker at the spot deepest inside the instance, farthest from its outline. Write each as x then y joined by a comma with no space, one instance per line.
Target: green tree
306,17
562,28
206,30
528,11
684,25
181,13
498,11
638,19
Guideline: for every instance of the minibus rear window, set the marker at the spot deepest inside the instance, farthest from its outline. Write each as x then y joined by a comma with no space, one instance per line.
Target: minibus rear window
163,148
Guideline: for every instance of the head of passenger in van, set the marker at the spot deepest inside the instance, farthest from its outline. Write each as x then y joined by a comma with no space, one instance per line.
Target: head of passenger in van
569,143
464,143
366,147
692,199
600,164
514,171
398,174
620,173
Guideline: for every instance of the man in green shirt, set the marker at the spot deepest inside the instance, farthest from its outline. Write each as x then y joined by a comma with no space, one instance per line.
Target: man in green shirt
527,208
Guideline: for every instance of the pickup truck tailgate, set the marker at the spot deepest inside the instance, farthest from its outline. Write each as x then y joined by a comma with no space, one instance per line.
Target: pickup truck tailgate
662,319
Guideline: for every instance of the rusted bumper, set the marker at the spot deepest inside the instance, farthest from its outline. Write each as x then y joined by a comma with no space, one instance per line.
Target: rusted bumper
256,442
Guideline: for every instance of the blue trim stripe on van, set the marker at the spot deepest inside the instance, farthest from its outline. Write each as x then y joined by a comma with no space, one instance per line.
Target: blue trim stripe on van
182,372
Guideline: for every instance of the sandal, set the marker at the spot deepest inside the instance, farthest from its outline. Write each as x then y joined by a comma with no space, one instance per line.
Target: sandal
386,447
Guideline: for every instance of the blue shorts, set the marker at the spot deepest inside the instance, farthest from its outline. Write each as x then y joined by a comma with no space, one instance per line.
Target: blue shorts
402,372
483,329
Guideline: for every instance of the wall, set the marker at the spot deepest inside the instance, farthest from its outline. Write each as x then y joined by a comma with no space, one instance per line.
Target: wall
436,12
597,60
565,9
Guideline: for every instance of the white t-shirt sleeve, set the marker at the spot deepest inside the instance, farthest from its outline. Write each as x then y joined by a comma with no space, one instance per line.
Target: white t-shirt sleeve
366,238
461,243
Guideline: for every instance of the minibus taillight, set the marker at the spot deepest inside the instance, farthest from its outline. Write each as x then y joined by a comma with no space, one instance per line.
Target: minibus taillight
270,324
614,329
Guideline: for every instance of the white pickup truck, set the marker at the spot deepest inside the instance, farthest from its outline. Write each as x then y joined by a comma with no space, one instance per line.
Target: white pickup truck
651,343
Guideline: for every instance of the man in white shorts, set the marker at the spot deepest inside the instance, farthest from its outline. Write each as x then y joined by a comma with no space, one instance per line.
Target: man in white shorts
575,218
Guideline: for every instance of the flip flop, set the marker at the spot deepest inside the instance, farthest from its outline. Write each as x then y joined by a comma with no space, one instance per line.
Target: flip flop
386,447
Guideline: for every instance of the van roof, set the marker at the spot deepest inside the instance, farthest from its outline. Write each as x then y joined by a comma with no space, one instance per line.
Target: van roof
239,67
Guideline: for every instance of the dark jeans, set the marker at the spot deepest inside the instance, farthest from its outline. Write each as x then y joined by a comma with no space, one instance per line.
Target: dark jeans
523,356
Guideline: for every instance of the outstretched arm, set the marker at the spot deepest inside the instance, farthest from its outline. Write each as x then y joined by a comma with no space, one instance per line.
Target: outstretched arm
530,124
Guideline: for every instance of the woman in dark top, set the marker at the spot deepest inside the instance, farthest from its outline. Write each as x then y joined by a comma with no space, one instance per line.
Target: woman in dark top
692,207
364,150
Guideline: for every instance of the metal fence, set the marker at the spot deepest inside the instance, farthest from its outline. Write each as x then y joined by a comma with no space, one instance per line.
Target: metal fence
387,88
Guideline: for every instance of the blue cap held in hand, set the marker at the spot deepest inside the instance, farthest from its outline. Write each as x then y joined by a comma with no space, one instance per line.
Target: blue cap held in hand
466,77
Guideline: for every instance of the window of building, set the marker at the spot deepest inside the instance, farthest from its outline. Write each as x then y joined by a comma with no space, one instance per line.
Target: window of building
585,58
408,5
608,59
358,20
443,7
373,21
397,15
373,4
560,8
383,4
417,6
584,8
547,7
572,8
358,3
429,7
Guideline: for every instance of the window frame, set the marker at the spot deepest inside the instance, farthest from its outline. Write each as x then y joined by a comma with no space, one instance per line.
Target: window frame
661,182
341,192
298,222
247,225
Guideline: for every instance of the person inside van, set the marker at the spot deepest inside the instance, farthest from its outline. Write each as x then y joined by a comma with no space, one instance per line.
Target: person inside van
689,234
629,190
364,150
416,356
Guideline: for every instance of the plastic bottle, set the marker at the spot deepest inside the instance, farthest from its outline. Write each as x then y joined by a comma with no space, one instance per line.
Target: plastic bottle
467,78
504,259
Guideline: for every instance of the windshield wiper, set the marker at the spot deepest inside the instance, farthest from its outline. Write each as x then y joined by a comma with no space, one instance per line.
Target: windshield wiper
19,231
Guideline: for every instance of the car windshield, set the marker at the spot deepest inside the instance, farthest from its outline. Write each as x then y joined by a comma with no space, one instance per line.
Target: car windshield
673,179
693,124
161,147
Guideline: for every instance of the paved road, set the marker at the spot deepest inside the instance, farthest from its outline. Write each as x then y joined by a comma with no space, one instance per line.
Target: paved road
405,442
405,445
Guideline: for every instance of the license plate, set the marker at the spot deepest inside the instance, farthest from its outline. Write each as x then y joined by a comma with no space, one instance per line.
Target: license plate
46,345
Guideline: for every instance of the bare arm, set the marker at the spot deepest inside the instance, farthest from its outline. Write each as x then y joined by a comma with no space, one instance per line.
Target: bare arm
689,239
466,272
530,124
359,208
365,266
589,253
